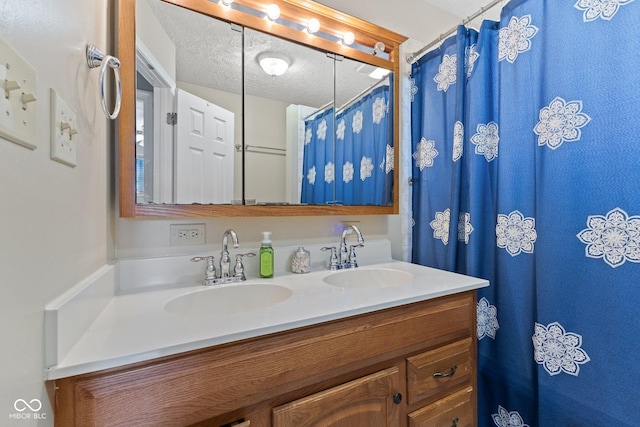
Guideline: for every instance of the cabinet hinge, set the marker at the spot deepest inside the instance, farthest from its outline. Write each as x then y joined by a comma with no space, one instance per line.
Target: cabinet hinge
172,118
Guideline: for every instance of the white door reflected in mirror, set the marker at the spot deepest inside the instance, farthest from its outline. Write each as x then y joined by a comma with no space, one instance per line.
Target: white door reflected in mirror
204,151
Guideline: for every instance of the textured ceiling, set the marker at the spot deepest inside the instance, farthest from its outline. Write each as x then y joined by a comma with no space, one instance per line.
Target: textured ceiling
459,8
420,20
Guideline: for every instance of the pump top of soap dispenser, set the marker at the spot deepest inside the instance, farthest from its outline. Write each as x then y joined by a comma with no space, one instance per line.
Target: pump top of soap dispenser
266,238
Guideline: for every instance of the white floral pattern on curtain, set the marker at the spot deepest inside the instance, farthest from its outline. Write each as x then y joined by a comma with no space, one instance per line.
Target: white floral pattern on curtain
547,206
355,168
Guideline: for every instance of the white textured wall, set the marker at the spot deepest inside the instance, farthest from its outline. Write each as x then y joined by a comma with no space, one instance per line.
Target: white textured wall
54,220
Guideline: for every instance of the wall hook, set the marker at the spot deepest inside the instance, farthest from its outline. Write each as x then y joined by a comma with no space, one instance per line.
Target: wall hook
95,59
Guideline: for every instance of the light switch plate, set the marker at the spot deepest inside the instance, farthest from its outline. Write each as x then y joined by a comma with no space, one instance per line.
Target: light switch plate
64,131
18,118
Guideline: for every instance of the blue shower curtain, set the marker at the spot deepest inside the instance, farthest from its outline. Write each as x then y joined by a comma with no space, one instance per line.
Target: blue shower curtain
318,160
526,172
360,172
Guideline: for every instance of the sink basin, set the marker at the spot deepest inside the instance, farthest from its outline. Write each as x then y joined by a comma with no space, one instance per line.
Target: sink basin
228,300
368,278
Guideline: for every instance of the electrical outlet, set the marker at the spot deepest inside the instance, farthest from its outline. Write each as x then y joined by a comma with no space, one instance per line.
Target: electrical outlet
187,234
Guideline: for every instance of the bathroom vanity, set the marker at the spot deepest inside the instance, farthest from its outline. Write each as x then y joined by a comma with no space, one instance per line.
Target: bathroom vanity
392,367
397,348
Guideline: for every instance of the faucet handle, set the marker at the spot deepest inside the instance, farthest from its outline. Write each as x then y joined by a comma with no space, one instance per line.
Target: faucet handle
334,264
353,261
238,270
210,272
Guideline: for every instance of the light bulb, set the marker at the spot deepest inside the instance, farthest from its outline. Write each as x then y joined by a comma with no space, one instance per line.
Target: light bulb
273,12
378,48
348,38
313,25
227,2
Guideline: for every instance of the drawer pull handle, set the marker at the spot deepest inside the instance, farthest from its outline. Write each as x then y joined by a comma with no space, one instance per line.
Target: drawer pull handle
446,374
397,398
455,422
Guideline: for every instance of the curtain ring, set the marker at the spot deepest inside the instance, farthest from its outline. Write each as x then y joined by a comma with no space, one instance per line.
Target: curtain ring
95,58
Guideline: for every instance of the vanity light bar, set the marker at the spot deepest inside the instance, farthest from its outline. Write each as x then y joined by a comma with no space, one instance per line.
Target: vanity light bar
287,14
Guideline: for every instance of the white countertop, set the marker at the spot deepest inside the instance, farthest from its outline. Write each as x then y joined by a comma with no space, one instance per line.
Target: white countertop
135,327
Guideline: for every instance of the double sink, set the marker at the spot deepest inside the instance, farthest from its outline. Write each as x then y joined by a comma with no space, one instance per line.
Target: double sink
246,297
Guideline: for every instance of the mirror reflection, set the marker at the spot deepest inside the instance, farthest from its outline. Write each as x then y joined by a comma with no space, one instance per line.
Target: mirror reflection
277,102
319,131
187,57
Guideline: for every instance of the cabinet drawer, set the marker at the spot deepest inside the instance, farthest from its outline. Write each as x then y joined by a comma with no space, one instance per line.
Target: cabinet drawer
440,370
455,410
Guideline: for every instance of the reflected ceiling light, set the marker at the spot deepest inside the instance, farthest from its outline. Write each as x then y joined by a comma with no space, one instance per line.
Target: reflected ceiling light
274,64
273,12
379,73
348,38
226,2
313,25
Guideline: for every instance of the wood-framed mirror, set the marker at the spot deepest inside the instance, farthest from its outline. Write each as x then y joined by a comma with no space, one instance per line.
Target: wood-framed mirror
244,199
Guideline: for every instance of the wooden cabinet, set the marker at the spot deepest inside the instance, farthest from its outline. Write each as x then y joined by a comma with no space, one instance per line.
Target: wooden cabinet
374,369
371,401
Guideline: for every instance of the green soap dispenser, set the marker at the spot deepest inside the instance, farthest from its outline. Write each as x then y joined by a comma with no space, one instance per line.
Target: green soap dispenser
266,256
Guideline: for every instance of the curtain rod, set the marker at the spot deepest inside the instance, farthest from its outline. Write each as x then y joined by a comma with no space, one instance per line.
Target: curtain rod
319,110
361,94
412,57
346,104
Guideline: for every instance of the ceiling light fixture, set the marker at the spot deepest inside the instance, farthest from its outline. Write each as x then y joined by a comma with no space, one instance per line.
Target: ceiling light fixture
273,12
348,38
274,64
313,26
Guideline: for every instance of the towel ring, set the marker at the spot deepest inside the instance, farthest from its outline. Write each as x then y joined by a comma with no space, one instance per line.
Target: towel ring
95,59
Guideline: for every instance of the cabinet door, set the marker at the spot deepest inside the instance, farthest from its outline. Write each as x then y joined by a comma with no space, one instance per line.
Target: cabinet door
365,402
455,410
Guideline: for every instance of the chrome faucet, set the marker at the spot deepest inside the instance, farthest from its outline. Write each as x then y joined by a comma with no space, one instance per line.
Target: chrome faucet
224,275
347,257
225,259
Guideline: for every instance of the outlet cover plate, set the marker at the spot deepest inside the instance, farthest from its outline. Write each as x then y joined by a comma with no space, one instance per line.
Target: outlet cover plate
18,119
64,131
187,234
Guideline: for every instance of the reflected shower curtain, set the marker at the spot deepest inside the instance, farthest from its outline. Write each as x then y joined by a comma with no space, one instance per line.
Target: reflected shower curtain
317,184
526,171
361,172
